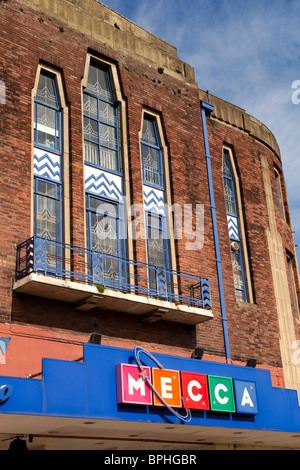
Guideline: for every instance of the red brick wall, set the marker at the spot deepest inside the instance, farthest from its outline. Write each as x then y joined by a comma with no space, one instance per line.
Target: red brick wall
28,38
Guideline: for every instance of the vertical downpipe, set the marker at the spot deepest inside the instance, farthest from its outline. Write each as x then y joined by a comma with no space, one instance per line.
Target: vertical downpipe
207,108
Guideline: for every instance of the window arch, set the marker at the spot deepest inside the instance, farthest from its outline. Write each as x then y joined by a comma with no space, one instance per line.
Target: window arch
104,180
50,163
47,114
291,262
156,192
236,229
151,154
284,214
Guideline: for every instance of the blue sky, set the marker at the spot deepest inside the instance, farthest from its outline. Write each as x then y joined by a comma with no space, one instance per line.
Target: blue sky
246,52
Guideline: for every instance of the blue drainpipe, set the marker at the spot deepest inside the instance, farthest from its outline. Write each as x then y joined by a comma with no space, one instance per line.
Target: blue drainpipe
207,108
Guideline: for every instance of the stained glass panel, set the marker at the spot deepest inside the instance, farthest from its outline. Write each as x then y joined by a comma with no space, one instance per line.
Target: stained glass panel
98,83
100,120
229,197
90,106
47,114
149,135
47,219
226,167
103,229
46,90
151,165
108,113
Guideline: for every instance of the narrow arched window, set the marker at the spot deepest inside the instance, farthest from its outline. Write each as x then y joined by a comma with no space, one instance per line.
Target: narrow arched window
104,186
293,288
280,199
155,211
234,228
48,173
47,114
151,154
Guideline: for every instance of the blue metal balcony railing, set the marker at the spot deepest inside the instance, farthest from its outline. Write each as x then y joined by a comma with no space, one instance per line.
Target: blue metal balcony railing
62,261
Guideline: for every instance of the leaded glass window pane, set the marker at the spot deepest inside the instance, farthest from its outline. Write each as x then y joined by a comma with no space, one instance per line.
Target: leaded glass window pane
151,154
155,241
91,153
226,167
47,114
151,165
104,232
101,146
109,159
90,130
46,218
229,197
237,270
149,135
156,250
108,113
47,210
47,221
108,136
46,92
90,106
98,83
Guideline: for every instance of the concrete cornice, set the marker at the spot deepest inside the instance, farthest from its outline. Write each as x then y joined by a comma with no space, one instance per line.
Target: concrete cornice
237,117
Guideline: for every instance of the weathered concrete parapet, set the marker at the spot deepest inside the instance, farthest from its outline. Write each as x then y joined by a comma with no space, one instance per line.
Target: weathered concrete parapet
237,117
102,24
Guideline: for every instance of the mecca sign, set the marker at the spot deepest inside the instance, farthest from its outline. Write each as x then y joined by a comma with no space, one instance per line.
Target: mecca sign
179,389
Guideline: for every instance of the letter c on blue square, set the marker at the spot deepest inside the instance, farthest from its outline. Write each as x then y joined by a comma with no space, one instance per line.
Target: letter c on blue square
245,397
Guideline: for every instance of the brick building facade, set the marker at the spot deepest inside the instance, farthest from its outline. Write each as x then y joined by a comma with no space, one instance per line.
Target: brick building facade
153,108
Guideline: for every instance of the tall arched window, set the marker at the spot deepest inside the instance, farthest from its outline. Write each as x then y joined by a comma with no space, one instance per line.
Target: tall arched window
155,210
235,224
103,178
48,147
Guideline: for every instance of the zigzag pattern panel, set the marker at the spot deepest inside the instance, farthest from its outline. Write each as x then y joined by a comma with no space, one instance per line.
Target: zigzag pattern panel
233,228
161,284
205,288
154,200
103,184
47,165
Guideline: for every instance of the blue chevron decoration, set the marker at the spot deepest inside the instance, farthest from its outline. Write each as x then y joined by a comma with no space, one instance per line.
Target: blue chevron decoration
162,284
154,200
205,289
40,254
98,268
233,228
103,184
47,165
